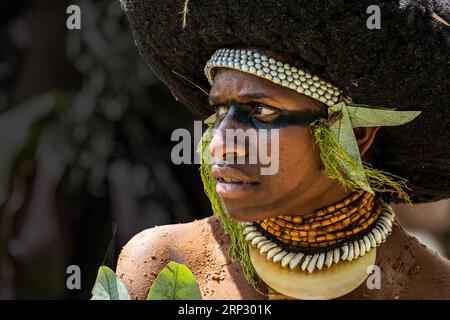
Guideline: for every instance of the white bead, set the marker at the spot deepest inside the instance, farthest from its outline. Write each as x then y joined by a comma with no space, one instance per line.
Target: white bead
296,260
292,86
273,252
287,258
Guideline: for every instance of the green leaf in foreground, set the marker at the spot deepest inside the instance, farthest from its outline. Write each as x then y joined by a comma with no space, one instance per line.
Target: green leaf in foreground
108,286
175,282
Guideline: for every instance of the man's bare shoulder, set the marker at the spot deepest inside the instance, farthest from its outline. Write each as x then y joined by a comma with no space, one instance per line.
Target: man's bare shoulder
149,251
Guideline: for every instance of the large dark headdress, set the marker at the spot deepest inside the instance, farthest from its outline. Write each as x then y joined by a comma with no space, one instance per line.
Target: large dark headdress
405,64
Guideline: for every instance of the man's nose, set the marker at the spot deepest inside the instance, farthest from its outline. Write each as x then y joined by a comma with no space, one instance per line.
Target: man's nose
219,147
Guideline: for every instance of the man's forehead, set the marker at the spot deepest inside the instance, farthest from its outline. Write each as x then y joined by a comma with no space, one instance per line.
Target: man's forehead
246,87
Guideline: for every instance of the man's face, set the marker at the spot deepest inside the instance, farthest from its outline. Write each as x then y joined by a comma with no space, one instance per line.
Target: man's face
244,101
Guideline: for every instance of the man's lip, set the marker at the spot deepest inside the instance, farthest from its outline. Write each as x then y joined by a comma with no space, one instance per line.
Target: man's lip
226,172
240,187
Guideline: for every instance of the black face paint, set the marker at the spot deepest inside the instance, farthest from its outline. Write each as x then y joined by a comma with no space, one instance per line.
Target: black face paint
246,114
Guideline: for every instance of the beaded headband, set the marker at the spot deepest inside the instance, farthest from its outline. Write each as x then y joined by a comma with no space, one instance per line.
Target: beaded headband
276,71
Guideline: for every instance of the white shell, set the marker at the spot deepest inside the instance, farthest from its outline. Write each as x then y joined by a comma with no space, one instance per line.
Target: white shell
252,235
331,283
381,226
376,233
336,255
306,262
387,221
351,252
329,259
258,239
265,248
356,248
373,241
273,252
279,256
287,258
362,248
320,261
383,233
249,229
367,243
296,260
312,263
261,243
344,252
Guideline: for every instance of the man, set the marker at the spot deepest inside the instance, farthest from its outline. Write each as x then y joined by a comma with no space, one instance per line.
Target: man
313,228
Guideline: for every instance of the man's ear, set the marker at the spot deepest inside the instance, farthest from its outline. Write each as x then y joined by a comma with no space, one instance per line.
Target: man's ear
364,138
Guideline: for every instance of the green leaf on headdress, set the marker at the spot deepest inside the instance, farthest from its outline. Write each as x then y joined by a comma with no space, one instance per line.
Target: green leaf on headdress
371,117
175,282
210,120
343,131
345,116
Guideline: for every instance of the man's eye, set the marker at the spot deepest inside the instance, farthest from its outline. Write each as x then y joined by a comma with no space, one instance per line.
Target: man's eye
265,113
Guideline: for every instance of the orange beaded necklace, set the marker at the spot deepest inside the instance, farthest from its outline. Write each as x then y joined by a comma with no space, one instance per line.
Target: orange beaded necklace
326,227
